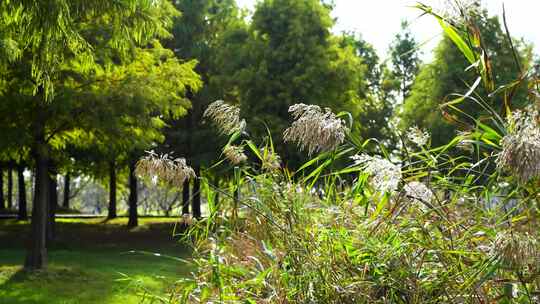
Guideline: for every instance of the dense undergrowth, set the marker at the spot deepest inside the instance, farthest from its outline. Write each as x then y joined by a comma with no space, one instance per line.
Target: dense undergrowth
450,224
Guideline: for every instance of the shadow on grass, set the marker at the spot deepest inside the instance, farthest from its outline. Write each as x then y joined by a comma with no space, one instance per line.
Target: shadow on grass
93,262
56,285
107,276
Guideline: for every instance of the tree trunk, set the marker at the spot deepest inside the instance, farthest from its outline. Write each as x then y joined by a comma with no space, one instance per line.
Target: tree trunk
133,217
37,254
22,214
10,188
216,198
2,200
185,198
112,190
53,203
67,190
196,203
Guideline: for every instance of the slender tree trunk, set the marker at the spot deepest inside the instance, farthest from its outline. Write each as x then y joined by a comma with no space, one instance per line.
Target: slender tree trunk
53,203
216,184
133,217
2,200
186,195
185,198
22,210
112,190
196,203
37,254
67,190
10,188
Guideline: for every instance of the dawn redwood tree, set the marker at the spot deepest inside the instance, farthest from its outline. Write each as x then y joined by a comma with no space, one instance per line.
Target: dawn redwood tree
131,100
196,203
185,198
47,36
111,211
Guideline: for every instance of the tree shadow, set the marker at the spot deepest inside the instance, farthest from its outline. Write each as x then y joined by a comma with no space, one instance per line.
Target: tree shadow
86,260
54,285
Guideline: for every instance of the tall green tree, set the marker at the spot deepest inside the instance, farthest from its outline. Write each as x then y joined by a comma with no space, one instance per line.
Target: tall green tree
198,35
375,103
48,37
287,56
405,61
132,101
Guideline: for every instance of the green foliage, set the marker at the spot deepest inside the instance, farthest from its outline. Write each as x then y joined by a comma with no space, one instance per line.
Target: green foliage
374,107
93,263
197,35
287,56
449,73
50,33
108,103
405,61
435,226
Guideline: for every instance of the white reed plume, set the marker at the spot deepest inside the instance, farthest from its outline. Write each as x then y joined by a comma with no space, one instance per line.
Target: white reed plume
516,249
458,10
225,116
270,160
520,153
315,129
384,175
162,167
419,192
235,154
418,136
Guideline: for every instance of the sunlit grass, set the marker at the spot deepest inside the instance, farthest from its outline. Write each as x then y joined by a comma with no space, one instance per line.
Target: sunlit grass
93,262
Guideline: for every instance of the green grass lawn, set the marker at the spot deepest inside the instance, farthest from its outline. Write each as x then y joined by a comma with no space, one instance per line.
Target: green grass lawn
91,262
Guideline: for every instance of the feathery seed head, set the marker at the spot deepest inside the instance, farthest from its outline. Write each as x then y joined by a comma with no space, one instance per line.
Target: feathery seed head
226,117
235,154
418,136
419,192
270,160
516,249
520,153
315,129
458,10
385,176
162,167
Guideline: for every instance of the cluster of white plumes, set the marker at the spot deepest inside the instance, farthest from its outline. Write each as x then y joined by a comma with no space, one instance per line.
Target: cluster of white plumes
384,175
235,154
270,160
315,129
225,116
418,191
162,167
418,136
516,249
520,153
